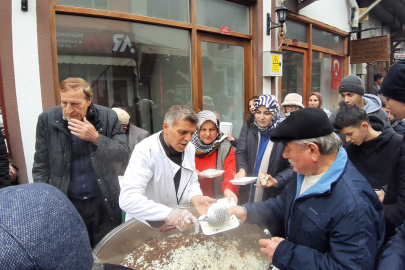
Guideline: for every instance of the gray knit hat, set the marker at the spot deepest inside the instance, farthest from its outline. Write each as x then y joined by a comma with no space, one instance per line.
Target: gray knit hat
352,84
41,229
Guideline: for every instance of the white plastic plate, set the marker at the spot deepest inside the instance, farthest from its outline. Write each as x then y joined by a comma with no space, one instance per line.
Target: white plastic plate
243,181
209,230
211,173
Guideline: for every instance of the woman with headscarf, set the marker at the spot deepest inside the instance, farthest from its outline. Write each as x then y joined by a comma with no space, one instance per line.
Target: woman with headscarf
257,154
315,101
212,152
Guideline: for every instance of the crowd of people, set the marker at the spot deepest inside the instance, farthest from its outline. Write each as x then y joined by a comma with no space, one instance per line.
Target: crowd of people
333,195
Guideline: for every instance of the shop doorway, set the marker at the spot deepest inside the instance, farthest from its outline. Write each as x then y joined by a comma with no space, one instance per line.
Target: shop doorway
222,78
294,73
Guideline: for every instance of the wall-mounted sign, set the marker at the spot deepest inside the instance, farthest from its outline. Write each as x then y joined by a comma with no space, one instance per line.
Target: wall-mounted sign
275,63
336,72
225,30
88,41
370,50
295,42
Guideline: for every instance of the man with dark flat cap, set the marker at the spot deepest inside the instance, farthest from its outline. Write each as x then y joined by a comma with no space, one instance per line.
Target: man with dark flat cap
333,218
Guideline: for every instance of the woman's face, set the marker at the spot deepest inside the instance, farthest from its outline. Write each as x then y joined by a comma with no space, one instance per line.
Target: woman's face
252,106
313,101
208,132
291,108
263,116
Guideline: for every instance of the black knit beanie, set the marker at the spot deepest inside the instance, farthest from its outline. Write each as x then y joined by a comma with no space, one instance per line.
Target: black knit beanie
393,85
352,84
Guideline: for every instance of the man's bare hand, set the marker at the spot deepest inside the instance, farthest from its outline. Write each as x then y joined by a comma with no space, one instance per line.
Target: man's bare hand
229,194
240,174
84,130
269,246
202,203
380,195
239,212
271,182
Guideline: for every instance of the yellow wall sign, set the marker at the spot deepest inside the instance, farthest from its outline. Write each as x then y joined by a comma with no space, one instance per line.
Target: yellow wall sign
275,63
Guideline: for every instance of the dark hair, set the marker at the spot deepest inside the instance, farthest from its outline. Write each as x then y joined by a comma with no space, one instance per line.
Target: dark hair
378,76
350,115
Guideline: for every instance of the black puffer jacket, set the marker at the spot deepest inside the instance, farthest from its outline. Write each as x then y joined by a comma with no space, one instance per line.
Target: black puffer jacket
246,153
53,152
374,158
394,201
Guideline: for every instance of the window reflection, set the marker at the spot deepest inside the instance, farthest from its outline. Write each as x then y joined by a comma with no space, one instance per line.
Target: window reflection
222,73
141,68
322,78
175,10
327,40
293,72
217,13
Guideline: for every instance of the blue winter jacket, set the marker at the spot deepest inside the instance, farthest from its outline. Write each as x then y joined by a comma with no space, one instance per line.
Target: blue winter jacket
394,253
338,223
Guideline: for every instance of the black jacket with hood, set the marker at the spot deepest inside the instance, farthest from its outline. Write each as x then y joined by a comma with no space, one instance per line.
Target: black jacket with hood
394,200
52,159
374,159
372,108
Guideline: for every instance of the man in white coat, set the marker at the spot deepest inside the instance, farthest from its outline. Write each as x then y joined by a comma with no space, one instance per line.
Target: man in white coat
162,174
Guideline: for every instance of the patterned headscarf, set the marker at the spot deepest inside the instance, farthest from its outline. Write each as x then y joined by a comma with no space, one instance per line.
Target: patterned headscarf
270,102
201,148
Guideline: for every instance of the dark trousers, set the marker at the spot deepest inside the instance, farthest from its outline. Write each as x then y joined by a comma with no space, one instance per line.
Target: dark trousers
95,217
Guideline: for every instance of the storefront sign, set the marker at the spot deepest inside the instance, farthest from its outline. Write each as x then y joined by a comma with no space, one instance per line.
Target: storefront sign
88,41
370,50
336,72
275,63
225,30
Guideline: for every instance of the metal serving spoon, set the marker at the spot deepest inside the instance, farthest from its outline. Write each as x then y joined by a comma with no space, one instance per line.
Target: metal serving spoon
217,215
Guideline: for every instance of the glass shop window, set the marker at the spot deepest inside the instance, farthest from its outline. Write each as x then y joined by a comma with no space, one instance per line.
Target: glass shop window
175,10
144,69
217,13
296,31
327,40
327,73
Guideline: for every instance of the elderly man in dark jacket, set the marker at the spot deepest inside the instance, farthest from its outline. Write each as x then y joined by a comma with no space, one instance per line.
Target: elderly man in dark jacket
333,218
77,146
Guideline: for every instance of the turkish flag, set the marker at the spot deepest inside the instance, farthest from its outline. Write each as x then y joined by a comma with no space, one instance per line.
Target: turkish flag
337,67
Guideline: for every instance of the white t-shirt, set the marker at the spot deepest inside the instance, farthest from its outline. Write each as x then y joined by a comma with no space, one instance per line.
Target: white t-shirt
309,181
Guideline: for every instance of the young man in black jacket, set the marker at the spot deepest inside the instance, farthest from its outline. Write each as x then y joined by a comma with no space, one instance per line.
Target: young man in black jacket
370,150
393,88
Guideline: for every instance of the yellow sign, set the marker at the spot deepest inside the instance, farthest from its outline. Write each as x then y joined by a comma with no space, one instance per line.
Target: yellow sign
275,63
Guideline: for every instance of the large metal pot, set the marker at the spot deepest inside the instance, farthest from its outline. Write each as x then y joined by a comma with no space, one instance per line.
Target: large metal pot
132,234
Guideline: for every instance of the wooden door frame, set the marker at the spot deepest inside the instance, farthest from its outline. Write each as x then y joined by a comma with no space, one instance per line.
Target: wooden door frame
304,74
248,90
